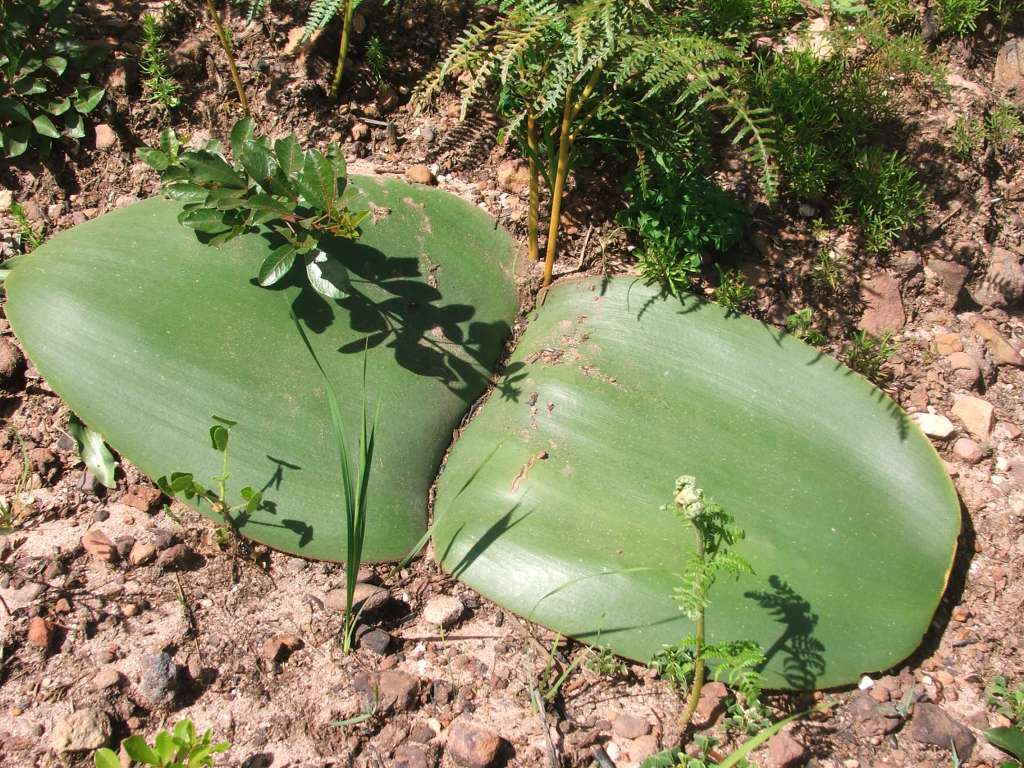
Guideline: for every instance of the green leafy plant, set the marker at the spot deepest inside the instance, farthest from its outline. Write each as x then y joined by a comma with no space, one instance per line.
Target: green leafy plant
321,13
603,661
680,217
227,45
736,661
184,484
888,197
157,81
1006,699
967,137
829,270
180,748
1004,125
960,17
1009,739
801,325
375,59
295,198
31,237
732,292
45,88
867,354
598,71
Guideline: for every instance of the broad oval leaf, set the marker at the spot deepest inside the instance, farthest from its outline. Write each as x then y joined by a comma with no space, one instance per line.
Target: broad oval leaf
211,168
1009,739
328,276
277,264
146,332
88,98
45,127
549,504
316,183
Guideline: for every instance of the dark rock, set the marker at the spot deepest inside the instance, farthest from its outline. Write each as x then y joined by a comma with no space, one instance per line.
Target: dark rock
178,556
12,366
410,756
421,733
472,746
373,639
123,545
932,725
164,539
442,692
101,515
45,462
368,596
952,277
869,719
159,684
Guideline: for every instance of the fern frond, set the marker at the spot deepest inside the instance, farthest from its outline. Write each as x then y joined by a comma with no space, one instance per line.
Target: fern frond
320,14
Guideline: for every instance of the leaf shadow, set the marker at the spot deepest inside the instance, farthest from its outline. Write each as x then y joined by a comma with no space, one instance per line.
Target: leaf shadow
803,654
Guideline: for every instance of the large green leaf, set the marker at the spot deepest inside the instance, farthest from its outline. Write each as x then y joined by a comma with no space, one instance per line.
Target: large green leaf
147,333
549,503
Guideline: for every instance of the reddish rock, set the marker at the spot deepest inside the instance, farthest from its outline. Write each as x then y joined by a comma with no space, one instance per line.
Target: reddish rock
932,725
948,343
629,726
968,450
1002,351
966,371
280,647
40,632
420,174
145,498
513,176
884,311
11,365
99,545
177,556
711,704
410,756
472,746
1008,77
976,415
784,751
951,276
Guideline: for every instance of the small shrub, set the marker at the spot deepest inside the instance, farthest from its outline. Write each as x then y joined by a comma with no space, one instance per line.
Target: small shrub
732,292
157,82
1004,126
31,238
182,748
867,354
801,325
960,17
829,271
888,197
1004,699
967,137
45,82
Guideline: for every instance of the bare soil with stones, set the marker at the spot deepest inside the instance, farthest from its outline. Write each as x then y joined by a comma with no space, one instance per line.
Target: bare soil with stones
119,612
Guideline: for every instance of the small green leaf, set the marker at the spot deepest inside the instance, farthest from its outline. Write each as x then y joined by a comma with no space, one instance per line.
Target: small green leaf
59,107
14,110
154,158
208,168
289,154
185,731
16,139
240,134
328,276
207,220
139,751
219,437
74,125
276,265
45,126
257,161
105,758
165,747
94,451
260,202
88,98
169,143
1008,739
29,86
56,63
186,192
316,182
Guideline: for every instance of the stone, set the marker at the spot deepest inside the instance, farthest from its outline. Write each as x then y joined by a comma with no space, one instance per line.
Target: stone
1008,76
108,677
443,610
99,545
976,415
280,647
951,276
868,718
784,751
968,450
410,756
398,690
373,596
159,684
948,343
934,425
81,731
711,704
884,311
12,365
144,498
1006,431
373,639
472,746
360,132
628,726
105,136
142,553
6,200
420,174
933,725
513,176
421,733
966,370
1003,283
642,748
1002,351
40,632
177,556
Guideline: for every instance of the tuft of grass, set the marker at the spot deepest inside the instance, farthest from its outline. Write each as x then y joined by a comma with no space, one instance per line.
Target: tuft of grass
801,325
960,17
867,354
31,238
889,198
967,137
1004,125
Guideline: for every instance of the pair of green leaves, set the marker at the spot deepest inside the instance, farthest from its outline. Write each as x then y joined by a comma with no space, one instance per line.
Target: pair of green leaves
180,749
45,90
292,195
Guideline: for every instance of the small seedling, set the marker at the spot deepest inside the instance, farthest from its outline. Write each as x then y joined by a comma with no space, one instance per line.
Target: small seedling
31,238
184,484
375,60
801,325
829,271
960,17
93,451
736,662
867,354
293,197
1004,699
181,748
1004,126
603,661
157,81
967,137
732,292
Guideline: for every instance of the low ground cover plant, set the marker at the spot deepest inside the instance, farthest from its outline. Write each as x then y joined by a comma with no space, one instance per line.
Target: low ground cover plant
180,748
47,89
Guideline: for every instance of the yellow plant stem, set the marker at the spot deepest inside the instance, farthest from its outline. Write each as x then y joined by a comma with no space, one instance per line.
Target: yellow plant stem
534,219
225,41
339,70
